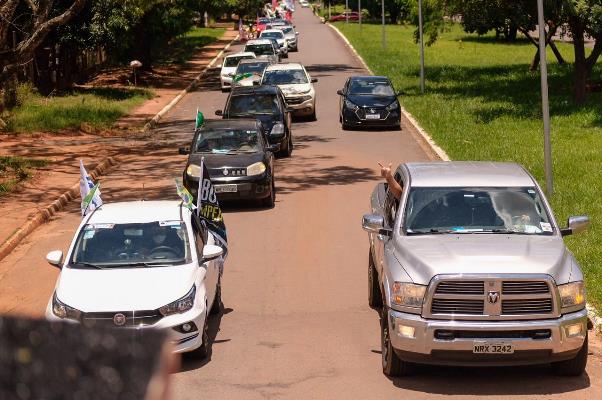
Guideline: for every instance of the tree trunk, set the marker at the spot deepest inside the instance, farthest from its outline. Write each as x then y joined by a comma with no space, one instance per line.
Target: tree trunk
580,70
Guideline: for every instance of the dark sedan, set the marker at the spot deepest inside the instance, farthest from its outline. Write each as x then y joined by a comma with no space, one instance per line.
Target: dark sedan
267,104
239,160
369,101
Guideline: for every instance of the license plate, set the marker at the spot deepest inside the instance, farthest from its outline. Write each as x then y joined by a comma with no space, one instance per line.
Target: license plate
225,188
372,116
492,348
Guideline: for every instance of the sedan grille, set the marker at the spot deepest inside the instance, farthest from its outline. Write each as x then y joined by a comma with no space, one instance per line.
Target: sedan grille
132,318
294,100
530,306
450,306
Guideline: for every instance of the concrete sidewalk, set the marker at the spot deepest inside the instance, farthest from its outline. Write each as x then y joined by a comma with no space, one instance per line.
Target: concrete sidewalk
64,150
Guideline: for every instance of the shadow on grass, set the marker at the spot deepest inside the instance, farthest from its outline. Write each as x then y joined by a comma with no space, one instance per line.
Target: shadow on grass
511,91
109,93
182,49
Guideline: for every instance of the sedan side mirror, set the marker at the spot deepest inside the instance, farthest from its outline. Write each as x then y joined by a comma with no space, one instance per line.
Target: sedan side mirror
314,80
340,92
400,93
575,224
55,258
219,112
184,151
211,252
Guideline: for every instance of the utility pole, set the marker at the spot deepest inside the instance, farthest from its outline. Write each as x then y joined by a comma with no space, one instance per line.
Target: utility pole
382,12
545,105
422,46
329,10
360,12
346,11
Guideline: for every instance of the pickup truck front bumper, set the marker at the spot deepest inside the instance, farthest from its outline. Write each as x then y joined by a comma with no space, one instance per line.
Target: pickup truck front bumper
451,342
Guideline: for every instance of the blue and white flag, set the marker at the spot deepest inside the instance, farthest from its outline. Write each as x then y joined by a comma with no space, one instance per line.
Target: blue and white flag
89,191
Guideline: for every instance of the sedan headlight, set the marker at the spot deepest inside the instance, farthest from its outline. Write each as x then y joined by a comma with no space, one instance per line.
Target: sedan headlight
256,169
181,305
277,129
408,295
393,106
193,170
63,311
351,105
572,296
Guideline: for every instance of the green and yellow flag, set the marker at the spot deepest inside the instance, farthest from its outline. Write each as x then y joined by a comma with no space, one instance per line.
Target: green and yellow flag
240,77
200,118
184,195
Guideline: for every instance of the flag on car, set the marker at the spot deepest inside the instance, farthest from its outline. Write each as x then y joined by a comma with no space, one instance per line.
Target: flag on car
209,210
200,118
240,77
89,191
184,195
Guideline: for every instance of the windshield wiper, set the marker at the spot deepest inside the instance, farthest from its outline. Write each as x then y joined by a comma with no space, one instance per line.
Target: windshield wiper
143,263
88,265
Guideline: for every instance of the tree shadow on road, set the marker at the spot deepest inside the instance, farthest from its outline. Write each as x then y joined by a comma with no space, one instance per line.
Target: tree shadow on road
321,70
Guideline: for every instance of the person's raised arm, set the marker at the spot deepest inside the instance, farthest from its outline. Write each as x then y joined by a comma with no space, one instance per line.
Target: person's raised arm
394,186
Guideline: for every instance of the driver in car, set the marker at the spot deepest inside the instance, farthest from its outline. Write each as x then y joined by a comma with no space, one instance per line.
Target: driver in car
163,240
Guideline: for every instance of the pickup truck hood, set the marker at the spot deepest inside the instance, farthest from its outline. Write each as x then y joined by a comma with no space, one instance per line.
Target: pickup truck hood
125,289
423,257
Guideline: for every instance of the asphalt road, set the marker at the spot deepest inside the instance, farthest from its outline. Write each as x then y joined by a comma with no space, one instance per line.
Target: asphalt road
297,324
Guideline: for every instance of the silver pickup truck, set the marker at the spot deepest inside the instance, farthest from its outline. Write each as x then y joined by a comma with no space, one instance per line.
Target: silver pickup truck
469,268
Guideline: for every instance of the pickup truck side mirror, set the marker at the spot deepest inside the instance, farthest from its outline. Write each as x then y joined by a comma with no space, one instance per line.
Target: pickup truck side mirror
219,112
340,92
55,258
374,223
575,224
184,151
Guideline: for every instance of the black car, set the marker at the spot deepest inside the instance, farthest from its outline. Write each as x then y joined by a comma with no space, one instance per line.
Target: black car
369,101
267,104
238,158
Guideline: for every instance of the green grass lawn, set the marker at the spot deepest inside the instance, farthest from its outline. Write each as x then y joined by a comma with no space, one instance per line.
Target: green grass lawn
182,48
14,170
99,108
482,103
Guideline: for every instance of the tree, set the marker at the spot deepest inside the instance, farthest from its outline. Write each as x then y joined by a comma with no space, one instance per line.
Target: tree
42,20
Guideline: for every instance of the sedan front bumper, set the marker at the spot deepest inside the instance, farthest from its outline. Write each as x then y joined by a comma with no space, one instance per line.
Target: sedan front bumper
247,187
301,105
386,118
427,346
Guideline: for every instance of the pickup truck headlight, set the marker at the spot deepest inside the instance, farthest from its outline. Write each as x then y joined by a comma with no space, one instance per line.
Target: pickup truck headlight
181,305
257,168
407,295
63,311
193,170
572,296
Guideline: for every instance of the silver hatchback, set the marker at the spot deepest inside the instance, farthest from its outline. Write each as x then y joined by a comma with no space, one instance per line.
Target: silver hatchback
469,268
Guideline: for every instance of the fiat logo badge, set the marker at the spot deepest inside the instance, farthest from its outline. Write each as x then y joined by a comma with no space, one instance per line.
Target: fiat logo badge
119,319
493,297
225,172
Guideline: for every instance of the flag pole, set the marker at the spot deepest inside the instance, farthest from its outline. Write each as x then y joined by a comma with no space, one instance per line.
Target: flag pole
198,194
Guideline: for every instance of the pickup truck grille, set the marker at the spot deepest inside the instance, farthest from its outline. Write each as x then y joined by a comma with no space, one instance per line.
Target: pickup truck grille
475,297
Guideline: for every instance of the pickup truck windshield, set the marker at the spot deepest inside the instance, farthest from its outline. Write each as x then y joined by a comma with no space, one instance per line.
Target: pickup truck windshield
150,244
476,210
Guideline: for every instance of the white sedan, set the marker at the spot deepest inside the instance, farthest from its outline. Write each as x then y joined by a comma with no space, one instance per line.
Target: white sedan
229,67
139,265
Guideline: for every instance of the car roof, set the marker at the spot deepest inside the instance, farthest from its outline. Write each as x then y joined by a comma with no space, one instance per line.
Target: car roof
241,54
368,78
262,89
284,66
240,123
138,212
254,61
469,174
271,30
259,41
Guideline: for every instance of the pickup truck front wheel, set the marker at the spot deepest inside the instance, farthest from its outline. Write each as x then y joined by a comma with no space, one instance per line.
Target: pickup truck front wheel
392,364
374,295
575,366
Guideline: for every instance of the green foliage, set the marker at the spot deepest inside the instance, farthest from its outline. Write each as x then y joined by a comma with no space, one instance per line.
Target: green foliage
482,104
181,49
16,169
99,108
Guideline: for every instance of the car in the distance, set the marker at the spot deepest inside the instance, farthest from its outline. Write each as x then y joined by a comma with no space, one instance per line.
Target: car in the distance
267,104
369,101
141,265
280,38
344,16
297,86
263,48
229,67
468,267
304,3
239,159
261,24
292,37
249,72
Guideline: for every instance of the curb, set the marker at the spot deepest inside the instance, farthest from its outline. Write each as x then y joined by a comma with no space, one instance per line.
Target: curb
155,120
425,136
592,314
45,214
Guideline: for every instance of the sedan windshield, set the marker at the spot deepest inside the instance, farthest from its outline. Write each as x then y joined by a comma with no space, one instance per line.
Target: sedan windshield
252,104
253,68
274,35
233,61
287,30
284,77
371,87
260,49
227,141
476,210
162,243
